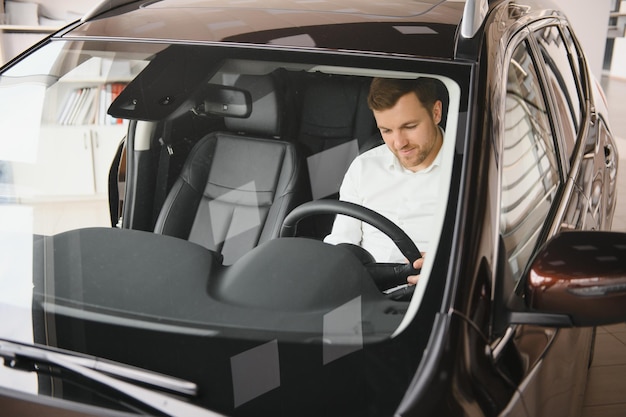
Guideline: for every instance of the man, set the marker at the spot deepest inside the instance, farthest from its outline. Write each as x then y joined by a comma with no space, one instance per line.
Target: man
399,179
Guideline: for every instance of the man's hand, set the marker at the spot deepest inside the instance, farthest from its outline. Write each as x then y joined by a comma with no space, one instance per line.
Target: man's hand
412,279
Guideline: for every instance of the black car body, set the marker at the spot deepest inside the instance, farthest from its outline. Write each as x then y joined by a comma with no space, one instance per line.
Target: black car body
170,168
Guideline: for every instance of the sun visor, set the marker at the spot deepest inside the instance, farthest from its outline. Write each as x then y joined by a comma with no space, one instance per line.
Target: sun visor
169,86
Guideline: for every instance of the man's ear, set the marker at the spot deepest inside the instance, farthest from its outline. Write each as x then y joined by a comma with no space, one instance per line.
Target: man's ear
437,111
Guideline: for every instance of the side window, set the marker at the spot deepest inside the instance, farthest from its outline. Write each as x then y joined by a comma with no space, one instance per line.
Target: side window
564,82
573,49
530,174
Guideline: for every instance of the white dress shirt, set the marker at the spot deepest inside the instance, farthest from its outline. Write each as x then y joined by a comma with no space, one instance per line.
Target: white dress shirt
378,181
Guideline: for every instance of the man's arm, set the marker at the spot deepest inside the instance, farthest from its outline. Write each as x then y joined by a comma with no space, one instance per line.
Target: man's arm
346,229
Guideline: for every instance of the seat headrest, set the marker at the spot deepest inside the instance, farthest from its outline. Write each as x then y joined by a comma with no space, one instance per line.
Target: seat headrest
264,118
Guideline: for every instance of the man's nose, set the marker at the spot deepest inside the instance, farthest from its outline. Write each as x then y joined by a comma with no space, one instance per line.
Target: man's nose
399,140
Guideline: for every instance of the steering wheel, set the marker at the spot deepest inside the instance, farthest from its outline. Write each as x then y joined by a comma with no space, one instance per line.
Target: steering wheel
386,275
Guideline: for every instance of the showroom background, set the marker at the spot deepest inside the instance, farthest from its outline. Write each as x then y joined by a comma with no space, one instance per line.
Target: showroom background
600,26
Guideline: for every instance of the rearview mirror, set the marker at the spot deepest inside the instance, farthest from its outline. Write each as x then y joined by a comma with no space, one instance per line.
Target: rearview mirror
227,101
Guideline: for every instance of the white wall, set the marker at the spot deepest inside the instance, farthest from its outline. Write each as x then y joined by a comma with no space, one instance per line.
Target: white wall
66,10
590,20
618,62
46,13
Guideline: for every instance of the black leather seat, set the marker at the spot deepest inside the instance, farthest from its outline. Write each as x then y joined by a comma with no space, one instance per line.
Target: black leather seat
237,186
335,121
334,112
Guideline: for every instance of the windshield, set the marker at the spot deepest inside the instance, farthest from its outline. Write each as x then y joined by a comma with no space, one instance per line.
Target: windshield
145,194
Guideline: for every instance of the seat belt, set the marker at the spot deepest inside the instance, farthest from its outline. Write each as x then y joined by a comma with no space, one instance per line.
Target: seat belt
163,169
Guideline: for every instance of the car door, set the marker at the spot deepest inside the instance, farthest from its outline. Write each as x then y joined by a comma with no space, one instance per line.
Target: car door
536,201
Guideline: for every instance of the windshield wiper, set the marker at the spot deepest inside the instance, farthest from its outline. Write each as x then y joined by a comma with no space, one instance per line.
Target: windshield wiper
107,372
11,350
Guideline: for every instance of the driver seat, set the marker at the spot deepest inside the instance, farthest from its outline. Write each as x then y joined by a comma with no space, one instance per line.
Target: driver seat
237,185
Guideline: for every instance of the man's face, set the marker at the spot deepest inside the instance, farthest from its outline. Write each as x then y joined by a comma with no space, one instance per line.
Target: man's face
411,132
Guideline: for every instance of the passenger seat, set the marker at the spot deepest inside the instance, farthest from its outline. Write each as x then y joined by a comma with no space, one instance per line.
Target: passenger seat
237,186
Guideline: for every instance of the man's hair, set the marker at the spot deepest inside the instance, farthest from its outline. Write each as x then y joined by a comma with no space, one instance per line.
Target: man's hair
385,92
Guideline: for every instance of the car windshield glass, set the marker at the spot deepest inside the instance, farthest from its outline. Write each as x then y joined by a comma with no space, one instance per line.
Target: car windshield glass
147,193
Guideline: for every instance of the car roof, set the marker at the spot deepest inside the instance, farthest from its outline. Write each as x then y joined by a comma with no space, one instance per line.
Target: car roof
427,28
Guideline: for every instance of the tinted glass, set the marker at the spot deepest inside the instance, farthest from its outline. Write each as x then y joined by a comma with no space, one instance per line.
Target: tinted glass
529,164
575,54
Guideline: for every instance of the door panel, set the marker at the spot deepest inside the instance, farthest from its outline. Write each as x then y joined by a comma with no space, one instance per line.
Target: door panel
555,360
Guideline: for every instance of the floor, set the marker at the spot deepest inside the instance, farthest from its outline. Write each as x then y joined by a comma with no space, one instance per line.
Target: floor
606,387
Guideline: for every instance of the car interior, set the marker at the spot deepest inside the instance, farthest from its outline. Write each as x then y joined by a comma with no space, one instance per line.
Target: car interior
249,141
231,161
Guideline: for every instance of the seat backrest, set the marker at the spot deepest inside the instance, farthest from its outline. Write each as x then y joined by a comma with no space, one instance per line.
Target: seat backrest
334,111
335,121
237,185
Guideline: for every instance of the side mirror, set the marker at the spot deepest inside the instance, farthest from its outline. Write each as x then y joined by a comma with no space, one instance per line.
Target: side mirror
580,274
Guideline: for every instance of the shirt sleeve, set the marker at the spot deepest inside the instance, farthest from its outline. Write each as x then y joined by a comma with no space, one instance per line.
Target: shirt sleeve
347,229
